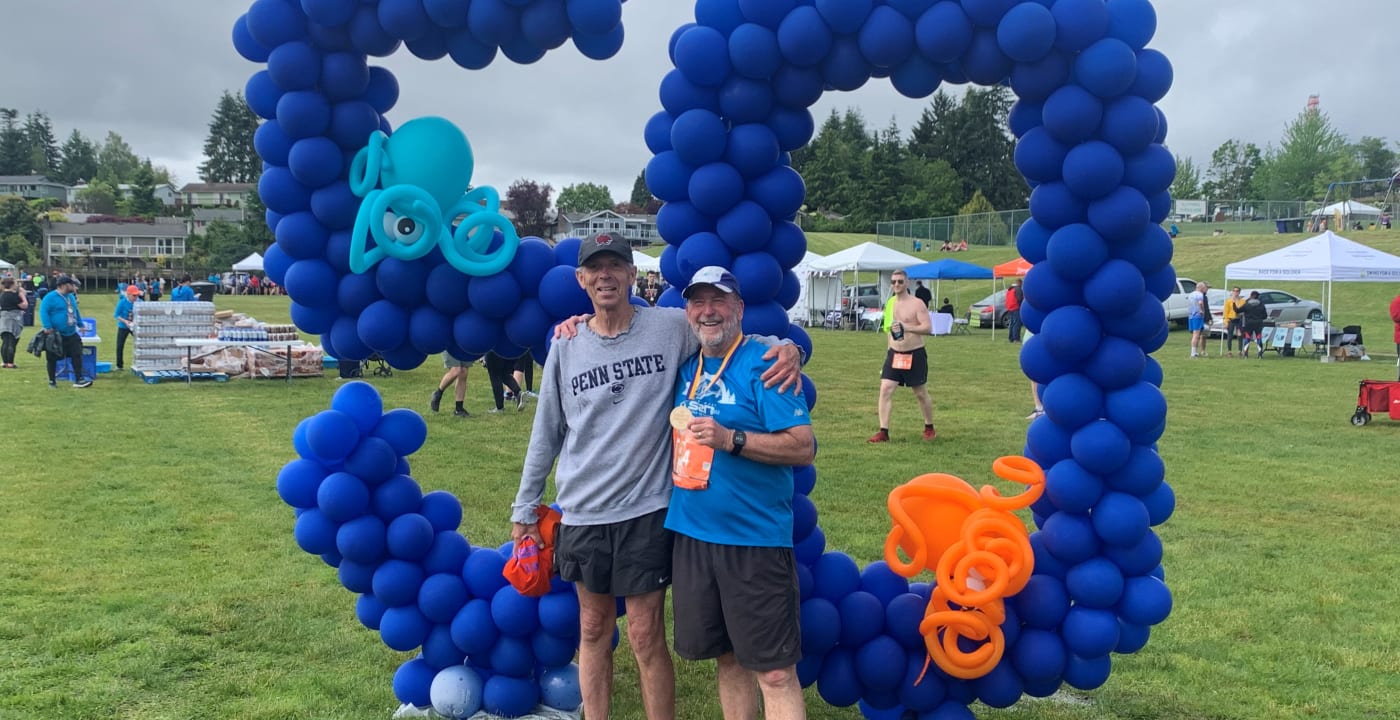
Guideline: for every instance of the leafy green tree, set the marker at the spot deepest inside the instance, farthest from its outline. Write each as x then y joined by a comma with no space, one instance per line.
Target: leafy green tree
224,243
978,225
116,163
529,202
14,154
1376,158
932,189
18,218
229,155
78,160
1309,157
43,148
16,249
1187,185
584,198
1232,169
98,197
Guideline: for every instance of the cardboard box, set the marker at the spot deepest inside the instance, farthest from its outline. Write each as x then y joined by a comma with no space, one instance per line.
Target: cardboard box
1339,354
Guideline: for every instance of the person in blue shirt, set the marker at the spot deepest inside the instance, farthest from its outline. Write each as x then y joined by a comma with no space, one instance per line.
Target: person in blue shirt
183,292
59,314
734,574
126,322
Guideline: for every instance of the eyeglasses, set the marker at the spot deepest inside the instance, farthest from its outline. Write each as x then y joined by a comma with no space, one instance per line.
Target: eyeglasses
897,282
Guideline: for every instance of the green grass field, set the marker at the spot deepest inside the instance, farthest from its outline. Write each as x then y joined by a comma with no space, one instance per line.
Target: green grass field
150,573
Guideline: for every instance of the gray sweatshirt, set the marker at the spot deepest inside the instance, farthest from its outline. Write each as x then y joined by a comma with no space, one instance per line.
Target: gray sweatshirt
602,412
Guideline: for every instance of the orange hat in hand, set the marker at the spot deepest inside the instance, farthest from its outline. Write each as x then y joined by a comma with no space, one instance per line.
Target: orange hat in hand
531,566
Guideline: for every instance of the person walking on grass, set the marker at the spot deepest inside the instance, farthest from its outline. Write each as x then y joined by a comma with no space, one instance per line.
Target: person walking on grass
13,303
501,373
456,376
1394,314
906,361
60,315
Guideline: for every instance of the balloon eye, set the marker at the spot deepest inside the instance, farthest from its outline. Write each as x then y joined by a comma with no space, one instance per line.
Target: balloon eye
403,229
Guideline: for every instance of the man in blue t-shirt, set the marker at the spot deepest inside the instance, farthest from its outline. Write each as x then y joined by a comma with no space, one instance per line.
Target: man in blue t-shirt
734,575
58,313
183,292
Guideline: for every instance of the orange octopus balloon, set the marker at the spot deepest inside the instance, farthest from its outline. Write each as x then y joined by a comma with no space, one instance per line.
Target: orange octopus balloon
980,554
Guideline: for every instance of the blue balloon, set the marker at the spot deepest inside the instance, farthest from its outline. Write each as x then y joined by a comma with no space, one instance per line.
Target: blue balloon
668,177
879,580
1090,632
1107,68
315,532
559,688
456,692
844,16
702,55
1072,401
779,191
483,574
396,583
698,137
1087,673
1146,601
1095,583
1069,537
844,67
594,17
754,52
1027,32
1120,216
1039,156
803,37
943,32
837,683
315,162
1141,475
297,482
1121,519
862,617
1072,114
403,627
413,680
361,540
1079,23
545,23
383,326
442,596
1154,76
1075,251
1132,21
821,626
1092,170
244,43
404,430
887,38
1036,81
745,101
510,696
472,629
342,496
1072,488
1039,655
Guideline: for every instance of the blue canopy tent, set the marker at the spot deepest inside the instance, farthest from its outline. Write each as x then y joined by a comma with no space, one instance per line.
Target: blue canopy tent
948,269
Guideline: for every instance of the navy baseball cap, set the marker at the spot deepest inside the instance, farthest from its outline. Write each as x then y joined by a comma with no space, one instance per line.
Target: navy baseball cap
714,276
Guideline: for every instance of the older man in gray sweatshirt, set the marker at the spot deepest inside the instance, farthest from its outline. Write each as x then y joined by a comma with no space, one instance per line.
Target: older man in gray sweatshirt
603,404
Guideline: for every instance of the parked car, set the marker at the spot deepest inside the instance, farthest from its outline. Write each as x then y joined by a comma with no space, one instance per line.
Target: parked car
865,295
1283,307
1178,308
990,311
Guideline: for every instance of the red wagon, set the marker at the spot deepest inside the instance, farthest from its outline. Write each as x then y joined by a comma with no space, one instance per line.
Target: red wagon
1377,396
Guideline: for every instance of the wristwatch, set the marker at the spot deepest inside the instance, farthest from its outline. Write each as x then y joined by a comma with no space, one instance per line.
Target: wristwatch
740,439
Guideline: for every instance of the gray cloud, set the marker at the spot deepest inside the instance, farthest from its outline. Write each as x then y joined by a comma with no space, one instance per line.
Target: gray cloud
152,70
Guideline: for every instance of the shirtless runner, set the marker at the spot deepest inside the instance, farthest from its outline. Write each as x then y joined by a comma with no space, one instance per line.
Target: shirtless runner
906,361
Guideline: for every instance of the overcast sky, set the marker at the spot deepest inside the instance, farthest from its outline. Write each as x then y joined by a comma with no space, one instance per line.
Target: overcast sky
153,70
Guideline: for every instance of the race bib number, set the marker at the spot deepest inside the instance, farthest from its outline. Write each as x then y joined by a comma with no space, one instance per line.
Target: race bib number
902,361
691,461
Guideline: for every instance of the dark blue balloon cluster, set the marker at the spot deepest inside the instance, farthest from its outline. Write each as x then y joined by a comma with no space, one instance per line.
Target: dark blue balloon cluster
421,585
1090,144
322,100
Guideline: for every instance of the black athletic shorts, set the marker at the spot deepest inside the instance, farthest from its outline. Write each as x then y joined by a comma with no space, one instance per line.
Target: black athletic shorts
916,375
630,557
741,599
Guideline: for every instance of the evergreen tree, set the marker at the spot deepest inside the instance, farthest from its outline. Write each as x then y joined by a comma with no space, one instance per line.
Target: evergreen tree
641,194
14,154
116,163
229,155
255,227
584,198
42,147
529,202
143,201
78,161
1376,158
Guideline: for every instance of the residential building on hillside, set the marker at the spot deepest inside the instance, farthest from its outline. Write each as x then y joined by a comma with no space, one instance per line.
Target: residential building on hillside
165,193
113,244
201,217
33,187
216,194
638,229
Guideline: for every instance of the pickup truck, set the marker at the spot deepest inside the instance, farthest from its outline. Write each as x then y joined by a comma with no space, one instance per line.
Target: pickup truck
1176,305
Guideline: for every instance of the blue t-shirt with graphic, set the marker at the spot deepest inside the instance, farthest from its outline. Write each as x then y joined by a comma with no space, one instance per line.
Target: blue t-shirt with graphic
747,503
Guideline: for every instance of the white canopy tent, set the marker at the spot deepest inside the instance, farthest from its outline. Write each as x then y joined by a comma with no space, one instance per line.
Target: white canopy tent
6,266
1326,258
820,291
646,263
1348,207
868,256
252,263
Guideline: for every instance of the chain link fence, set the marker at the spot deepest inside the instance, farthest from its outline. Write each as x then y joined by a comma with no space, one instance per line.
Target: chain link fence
993,228
1235,217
